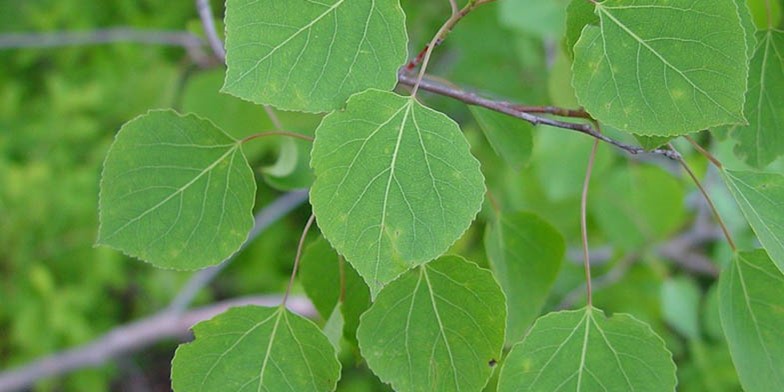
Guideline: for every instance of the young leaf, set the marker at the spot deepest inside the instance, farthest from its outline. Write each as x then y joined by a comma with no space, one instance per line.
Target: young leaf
252,348
312,55
652,142
395,185
176,191
582,350
655,67
320,275
750,294
762,140
437,328
525,253
761,198
509,137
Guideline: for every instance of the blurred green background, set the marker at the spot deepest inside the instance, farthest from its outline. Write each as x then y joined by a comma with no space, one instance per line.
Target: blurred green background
60,107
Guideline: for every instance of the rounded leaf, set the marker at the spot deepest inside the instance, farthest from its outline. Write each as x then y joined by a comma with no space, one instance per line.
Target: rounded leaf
256,349
437,328
176,191
658,67
582,350
395,184
310,55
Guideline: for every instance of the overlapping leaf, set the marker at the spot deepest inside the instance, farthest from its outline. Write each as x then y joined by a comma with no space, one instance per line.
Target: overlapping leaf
176,191
395,185
437,328
256,349
655,67
312,55
762,140
750,296
761,198
526,254
583,350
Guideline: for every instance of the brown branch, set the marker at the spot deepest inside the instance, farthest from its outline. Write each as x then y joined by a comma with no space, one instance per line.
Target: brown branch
133,337
474,99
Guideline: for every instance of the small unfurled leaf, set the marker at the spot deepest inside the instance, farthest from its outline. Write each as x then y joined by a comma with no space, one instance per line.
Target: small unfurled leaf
750,302
761,198
657,67
439,327
256,349
310,55
176,191
395,185
583,350
525,253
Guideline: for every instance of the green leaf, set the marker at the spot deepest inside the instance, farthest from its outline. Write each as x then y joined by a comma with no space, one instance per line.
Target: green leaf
761,198
762,140
750,295
525,253
437,328
176,191
254,348
320,275
749,31
651,68
395,185
333,328
312,55
509,137
680,299
638,205
766,13
582,350
543,18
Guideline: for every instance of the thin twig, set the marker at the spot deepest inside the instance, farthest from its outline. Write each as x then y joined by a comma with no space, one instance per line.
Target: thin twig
441,35
205,14
132,337
704,152
707,197
297,258
471,98
584,224
265,218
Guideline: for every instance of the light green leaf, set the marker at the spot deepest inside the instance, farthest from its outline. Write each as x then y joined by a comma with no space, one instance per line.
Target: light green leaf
395,185
656,67
583,350
291,170
750,297
312,55
320,275
333,328
437,328
544,18
761,198
762,140
680,299
252,348
747,23
509,137
766,13
525,253
176,191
